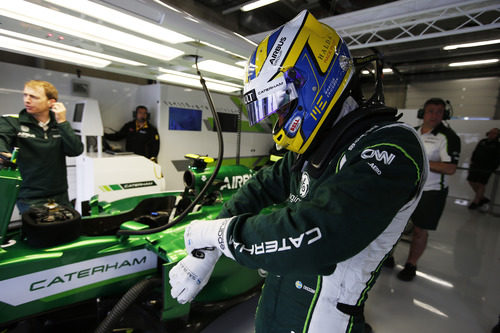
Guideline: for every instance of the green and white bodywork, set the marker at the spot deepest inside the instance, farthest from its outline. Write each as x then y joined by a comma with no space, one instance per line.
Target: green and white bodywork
99,263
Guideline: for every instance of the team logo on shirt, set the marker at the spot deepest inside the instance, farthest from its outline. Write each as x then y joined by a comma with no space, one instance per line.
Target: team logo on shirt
24,128
304,185
300,285
25,135
379,155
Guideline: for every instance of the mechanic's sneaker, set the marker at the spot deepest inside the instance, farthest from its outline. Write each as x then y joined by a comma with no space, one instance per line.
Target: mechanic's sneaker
474,206
408,273
389,262
484,201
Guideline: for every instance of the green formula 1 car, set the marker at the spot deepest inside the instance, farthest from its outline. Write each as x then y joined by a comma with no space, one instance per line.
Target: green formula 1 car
63,272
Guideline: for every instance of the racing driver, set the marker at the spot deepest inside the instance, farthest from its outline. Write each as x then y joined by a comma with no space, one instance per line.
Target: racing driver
350,181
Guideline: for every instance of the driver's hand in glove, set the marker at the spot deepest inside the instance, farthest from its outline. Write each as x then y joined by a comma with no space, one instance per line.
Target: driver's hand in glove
205,242
207,234
191,274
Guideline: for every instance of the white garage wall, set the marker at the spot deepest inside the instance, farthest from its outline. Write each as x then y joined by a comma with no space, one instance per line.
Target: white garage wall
469,97
117,100
180,143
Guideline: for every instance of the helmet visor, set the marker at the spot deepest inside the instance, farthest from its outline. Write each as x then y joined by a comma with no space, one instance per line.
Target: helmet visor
264,100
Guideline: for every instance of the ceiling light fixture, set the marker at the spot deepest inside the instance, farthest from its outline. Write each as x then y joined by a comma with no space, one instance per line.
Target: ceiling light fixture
246,39
222,49
256,4
123,20
54,20
167,6
242,63
221,68
70,48
194,81
472,63
48,52
474,44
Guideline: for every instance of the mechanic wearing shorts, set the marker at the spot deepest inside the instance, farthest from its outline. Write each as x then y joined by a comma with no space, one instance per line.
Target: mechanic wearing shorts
442,146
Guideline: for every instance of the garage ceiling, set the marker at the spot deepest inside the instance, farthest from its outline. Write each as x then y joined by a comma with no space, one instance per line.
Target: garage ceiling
410,34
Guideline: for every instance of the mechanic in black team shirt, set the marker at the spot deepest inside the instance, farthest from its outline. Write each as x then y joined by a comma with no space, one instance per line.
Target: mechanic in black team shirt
141,136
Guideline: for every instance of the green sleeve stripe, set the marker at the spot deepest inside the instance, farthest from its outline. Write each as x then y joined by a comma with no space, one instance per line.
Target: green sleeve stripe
404,153
313,304
338,162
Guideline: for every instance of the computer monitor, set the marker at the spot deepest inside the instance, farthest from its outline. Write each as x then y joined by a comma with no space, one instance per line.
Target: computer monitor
181,119
228,122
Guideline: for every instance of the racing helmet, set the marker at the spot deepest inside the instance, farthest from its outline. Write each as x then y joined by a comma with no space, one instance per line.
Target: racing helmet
300,72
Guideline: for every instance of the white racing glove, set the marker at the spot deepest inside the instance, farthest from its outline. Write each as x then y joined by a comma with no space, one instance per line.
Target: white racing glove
191,274
208,234
205,242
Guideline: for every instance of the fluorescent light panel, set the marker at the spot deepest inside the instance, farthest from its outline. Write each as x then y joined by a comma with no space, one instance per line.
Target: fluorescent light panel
472,63
167,6
51,52
246,39
194,81
475,44
54,20
70,48
242,63
123,20
222,49
256,4
221,68
384,70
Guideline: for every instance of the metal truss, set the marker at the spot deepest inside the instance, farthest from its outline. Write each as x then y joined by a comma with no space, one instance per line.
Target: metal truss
412,20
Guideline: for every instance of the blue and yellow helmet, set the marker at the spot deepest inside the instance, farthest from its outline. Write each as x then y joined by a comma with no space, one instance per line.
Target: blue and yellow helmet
299,72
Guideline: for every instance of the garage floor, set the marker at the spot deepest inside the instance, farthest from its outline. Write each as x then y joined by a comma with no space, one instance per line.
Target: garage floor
456,290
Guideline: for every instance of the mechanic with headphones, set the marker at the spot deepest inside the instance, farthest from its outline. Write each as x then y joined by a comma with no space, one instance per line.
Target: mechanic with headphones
348,184
484,161
44,139
141,136
442,146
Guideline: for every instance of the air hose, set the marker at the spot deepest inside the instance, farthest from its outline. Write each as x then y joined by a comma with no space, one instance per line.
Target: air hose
123,304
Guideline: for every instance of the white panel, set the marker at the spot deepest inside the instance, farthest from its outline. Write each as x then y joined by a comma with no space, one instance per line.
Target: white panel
176,144
469,97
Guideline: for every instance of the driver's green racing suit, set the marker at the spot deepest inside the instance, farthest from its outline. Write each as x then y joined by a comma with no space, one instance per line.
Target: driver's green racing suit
323,251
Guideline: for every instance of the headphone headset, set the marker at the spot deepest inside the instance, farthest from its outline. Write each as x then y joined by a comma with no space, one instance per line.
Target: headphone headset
134,113
435,100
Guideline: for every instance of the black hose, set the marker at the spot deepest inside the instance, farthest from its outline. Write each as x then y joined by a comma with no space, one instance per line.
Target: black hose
122,305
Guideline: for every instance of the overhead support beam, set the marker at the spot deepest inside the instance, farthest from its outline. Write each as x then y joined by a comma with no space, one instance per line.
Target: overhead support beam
412,20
